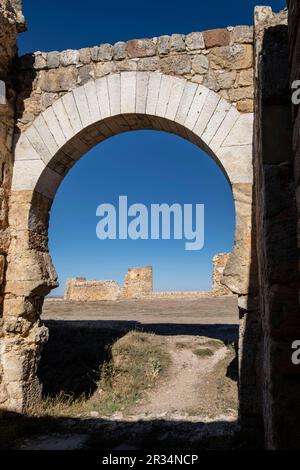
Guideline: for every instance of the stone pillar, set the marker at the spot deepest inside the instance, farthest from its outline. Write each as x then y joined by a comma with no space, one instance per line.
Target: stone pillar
276,222
10,25
29,277
240,276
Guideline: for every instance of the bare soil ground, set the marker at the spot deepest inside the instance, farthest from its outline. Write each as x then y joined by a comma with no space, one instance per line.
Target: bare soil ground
185,311
192,403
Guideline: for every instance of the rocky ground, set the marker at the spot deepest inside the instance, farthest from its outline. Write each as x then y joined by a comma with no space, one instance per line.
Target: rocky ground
191,401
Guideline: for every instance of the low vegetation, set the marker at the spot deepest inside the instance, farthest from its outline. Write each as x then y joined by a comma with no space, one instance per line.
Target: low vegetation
136,361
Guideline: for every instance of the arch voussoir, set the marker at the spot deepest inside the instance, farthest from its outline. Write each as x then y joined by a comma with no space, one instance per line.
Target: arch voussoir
127,101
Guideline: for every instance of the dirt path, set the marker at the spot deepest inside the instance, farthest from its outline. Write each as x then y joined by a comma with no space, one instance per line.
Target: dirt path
192,384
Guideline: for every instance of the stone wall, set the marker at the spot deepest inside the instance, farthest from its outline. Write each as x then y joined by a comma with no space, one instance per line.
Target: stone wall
11,22
138,283
276,225
294,49
79,289
8,37
221,60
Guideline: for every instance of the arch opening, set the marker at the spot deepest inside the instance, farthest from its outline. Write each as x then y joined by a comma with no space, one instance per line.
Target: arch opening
80,347
65,131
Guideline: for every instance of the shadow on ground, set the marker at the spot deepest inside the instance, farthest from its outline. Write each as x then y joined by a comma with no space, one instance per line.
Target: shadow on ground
71,363
72,359
53,433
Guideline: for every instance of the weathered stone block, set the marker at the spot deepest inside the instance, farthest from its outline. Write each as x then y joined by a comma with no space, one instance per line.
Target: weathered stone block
177,43
238,56
85,55
141,48
243,34
148,64
246,78
53,60
40,61
102,53
200,64
102,69
242,93
163,45
245,106
211,82
216,37
85,73
226,79
63,79
194,41
69,57
127,65
176,65
120,50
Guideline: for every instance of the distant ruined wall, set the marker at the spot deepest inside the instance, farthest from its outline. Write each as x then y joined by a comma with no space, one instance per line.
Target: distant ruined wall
276,226
80,289
138,284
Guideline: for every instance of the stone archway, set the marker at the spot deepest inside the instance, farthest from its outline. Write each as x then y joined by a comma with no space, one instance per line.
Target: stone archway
51,145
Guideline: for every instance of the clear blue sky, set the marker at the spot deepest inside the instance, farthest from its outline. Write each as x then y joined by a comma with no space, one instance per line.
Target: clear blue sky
148,166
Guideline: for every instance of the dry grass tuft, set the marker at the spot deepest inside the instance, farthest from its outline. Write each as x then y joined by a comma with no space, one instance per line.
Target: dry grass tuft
137,359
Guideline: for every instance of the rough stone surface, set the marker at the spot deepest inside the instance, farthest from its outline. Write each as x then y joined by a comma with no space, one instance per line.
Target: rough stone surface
11,21
194,41
138,282
177,43
120,50
243,34
236,57
276,222
200,64
140,48
220,262
217,37
79,289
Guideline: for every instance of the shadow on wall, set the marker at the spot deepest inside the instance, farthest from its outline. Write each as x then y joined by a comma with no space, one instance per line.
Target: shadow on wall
278,323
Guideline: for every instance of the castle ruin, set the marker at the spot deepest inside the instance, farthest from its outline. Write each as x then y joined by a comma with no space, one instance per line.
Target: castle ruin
138,284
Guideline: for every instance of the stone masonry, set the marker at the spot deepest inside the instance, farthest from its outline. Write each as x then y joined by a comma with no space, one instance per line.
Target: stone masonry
80,289
138,283
209,88
219,262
